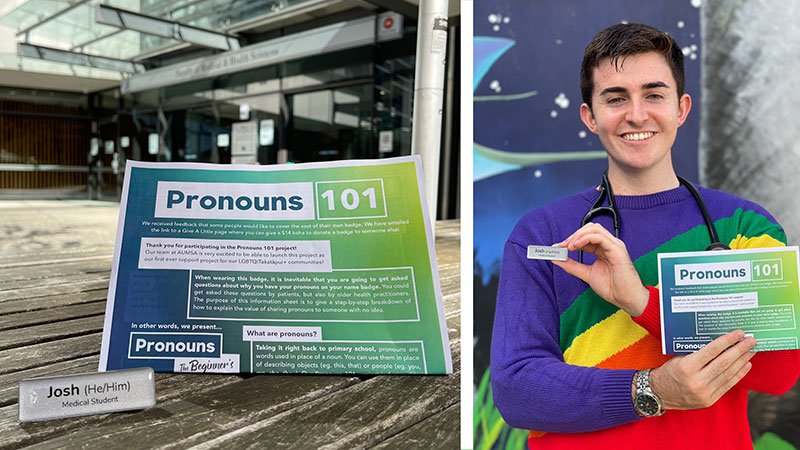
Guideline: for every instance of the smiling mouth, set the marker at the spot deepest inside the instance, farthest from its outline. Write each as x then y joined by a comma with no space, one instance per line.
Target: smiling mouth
637,136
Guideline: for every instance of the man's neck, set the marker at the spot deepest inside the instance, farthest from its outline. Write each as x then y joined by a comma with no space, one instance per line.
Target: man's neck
642,182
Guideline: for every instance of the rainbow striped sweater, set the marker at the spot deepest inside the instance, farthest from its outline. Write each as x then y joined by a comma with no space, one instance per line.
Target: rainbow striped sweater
563,358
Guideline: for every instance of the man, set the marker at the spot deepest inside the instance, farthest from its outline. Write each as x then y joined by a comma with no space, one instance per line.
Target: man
573,342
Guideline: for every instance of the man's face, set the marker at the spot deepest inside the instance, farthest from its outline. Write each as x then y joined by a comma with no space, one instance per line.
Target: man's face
636,112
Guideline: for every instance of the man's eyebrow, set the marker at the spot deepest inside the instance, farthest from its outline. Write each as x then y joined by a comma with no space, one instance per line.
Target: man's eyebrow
654,85
613,90
622,90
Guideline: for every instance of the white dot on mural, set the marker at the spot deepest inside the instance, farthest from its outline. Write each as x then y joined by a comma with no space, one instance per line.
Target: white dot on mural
506,19
696,3
493,18
562,101
686,51
496,28
495,86
692,35
554,114
582,134
693,56
559,42
537,173
624,22
681,24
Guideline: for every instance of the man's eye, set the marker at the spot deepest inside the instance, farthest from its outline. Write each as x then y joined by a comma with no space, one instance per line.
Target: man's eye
655,96
615,100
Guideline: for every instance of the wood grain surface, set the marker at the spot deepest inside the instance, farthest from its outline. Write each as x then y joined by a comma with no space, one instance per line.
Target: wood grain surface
52,304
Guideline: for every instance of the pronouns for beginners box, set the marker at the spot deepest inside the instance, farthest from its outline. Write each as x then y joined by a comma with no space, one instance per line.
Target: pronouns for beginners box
707,294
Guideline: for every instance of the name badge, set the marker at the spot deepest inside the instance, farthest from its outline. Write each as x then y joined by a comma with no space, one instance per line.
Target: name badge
546,252
85,394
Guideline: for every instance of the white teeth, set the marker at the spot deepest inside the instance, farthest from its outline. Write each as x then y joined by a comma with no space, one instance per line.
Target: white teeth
637,136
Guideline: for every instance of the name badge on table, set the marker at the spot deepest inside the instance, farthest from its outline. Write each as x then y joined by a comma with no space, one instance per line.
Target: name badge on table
85,394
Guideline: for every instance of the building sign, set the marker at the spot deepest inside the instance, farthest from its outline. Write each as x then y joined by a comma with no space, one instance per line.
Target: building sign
327,39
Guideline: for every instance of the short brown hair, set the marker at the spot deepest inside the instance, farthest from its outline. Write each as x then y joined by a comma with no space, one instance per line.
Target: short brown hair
622,40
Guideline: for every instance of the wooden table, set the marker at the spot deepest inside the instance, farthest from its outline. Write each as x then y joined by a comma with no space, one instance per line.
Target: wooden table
52,302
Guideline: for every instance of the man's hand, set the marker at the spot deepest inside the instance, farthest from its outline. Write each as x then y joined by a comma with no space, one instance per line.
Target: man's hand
700,379
612,276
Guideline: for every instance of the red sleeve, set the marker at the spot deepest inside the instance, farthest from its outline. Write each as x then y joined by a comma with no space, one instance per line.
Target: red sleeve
773,372
650,319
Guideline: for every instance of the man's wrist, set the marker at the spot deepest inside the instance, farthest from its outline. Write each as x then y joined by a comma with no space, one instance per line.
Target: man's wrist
637,308
645,402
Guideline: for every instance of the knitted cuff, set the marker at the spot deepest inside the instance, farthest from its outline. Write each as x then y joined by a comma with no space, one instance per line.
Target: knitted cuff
650,319
616,397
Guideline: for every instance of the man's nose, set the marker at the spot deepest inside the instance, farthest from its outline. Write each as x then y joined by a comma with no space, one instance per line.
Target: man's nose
637,111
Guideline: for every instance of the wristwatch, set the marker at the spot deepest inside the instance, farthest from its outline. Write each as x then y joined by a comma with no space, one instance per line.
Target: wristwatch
645,401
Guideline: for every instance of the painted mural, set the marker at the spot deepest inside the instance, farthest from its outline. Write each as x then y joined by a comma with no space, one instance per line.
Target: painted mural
530,146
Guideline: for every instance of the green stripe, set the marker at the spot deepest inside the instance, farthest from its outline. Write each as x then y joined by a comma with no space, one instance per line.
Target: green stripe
589,309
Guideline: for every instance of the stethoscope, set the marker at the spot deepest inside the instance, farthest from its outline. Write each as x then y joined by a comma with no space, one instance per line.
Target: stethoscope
606,192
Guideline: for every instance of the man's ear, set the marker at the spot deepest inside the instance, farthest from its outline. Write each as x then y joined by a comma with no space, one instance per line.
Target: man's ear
588,118
684,106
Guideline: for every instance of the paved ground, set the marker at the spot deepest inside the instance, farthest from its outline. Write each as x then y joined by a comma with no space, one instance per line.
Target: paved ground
55,227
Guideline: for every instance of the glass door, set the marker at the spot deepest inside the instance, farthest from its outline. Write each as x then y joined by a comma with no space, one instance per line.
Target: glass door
331,124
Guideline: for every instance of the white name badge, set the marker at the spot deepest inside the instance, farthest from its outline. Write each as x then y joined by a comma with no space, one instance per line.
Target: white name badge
85,394
547,253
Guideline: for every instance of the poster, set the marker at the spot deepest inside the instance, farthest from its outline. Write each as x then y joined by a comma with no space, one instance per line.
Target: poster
305,268
707,294
244,135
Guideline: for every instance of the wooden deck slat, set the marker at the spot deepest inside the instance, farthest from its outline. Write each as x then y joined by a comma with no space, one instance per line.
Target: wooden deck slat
49,281
62,256
50,315
44,270
58,289
52,301
46,353
36,334
437,431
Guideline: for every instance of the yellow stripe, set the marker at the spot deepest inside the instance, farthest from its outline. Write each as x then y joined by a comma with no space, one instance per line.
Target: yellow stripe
603,340
763,241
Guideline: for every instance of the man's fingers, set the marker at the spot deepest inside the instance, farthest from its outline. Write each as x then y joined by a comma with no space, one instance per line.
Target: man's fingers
600,240
575,269
735,374
727,358
706,354
588,228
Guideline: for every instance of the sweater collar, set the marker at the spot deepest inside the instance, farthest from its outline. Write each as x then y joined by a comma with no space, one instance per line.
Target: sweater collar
624,202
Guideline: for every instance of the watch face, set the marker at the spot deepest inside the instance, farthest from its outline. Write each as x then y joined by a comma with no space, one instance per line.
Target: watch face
647,404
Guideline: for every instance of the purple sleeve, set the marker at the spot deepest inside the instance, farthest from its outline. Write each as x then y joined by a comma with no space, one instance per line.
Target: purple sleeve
533,387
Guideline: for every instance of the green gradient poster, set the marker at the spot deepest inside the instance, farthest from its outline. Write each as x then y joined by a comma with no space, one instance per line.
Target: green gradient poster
707,294
307,268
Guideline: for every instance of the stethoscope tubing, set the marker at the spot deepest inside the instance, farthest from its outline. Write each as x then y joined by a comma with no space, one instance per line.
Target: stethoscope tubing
607,192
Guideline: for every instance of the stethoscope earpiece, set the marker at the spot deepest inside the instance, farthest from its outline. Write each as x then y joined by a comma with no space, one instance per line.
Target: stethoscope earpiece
717,246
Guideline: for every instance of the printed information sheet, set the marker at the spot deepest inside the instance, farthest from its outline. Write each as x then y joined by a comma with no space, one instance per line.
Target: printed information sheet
306,268
707,294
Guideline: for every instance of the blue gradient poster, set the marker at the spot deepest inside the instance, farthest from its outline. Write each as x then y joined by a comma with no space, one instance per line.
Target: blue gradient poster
305,268
707,294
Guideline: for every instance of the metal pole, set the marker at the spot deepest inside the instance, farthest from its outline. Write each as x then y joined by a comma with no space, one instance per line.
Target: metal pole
426,128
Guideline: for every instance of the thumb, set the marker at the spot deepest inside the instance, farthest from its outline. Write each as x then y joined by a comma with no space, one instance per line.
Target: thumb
575,269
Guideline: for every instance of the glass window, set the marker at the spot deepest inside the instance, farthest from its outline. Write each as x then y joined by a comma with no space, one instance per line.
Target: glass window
331,124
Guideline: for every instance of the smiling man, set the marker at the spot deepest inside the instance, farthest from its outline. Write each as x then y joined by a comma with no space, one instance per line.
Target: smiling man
576,352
